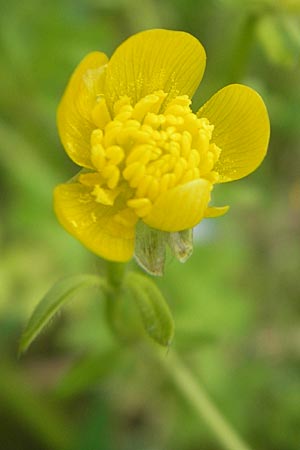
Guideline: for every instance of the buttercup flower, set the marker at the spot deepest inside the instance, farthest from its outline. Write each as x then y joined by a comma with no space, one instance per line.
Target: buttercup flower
146,157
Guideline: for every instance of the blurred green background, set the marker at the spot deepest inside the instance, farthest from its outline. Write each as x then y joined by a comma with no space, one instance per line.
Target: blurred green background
235,302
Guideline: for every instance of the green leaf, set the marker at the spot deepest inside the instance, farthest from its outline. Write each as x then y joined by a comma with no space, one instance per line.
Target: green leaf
153,308
55,298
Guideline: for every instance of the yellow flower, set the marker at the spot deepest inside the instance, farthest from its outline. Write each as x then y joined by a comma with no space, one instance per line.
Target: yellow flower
145,155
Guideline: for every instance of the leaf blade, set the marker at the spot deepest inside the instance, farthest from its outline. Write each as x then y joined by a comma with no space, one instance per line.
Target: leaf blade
55,298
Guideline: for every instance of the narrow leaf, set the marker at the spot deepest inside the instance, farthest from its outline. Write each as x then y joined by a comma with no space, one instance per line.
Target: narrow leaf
55,298
153,308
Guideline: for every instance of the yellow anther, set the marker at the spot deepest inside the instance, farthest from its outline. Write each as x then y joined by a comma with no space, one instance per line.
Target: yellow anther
132,170
111,135
144,106
154,120
153,189
126,136
122,104
149,104
141,137
177,110
100,113
174,120
104,196
142,206
164,183
98,156
115,154
131,123
113,125
123,116
170,130
194,158
114,178
187,176
155,167
196,173
181,100
90,179
186,141
96,137
213,177
174,149
108,171
145,150
207,164
216,151
176,137
127,217
178,170
144,186
155,153
141,153
205,125
137,177
203,141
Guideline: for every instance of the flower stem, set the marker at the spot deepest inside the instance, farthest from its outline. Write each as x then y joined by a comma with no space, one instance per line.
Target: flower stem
115,272
196,395
183,378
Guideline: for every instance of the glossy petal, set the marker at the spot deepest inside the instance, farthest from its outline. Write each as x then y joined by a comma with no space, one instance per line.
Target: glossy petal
93,224
215,211
242,130
172,61
74,112
181,207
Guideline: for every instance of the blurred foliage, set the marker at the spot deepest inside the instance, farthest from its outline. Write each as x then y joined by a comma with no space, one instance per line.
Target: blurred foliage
235,302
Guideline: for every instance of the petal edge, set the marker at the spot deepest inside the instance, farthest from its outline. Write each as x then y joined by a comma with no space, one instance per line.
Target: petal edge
74,119
242,130
92,223
180,208
153,60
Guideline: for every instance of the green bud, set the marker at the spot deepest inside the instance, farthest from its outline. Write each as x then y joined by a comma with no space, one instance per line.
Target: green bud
152,306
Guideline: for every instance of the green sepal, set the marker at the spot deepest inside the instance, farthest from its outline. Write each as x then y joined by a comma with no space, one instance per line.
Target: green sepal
150,249
154,311
181,244
55,298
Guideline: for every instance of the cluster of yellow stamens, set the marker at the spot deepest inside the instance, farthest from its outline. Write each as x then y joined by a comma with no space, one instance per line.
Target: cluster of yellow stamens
145,152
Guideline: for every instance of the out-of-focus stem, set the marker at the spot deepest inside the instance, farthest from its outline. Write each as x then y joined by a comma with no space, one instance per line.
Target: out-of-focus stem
198,398
182,377
242,49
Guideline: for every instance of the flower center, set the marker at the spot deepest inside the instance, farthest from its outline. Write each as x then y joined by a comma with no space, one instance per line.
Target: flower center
145,152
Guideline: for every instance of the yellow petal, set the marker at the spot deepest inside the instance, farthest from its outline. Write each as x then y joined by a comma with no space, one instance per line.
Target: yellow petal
74,117
93,224
181,207
172,61
215,211
242,130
